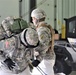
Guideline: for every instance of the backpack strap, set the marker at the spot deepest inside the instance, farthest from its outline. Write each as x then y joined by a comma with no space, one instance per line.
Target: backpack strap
52,33
17,44
17,41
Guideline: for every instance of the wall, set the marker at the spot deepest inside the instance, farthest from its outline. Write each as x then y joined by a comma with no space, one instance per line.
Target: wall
9,8
25,10
65,9
48,7
56,10
12,8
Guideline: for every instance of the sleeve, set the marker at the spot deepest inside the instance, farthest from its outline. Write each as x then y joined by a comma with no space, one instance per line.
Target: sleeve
44,38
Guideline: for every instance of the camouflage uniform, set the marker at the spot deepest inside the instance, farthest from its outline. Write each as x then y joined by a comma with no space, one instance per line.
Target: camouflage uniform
46,38
47,58
19,56
14,47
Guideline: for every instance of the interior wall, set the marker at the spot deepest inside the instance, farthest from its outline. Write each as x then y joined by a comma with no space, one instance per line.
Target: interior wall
65,9
9,8
26,10
48,7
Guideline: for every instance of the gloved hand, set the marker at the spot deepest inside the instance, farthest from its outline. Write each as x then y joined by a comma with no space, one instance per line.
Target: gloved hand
9,63
35,63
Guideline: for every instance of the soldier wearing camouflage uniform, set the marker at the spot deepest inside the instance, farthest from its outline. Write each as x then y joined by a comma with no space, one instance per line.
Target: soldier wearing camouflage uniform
45,54
15,51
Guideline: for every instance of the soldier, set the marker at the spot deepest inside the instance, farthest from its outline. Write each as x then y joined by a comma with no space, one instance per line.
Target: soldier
45,49
15,52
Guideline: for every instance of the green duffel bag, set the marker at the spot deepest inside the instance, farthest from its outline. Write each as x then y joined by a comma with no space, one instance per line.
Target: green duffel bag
11,26
18,25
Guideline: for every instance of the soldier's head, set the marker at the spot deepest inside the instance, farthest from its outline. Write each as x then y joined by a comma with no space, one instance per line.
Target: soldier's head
13,25
29,38
38,15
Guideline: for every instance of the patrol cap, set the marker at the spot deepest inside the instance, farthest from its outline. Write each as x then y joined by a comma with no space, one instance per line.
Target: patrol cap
29,37
38,13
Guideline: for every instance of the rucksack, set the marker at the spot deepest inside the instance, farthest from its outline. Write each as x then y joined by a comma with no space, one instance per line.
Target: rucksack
18,26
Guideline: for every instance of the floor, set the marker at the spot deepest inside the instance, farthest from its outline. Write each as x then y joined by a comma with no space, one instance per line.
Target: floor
73,73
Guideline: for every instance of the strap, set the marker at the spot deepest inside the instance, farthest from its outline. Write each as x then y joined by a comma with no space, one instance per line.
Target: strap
52,33
17,44
17,41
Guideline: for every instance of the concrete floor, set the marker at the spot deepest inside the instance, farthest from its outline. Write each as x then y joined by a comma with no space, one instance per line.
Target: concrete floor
73,73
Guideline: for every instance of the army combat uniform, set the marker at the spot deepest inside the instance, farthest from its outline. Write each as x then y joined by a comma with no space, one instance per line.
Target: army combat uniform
13,48
46,54
16,46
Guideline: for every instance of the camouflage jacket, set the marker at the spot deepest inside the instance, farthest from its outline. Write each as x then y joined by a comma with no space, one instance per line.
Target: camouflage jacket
45,39
14,49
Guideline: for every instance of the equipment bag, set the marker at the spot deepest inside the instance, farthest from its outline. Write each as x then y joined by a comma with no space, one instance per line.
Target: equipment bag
18,25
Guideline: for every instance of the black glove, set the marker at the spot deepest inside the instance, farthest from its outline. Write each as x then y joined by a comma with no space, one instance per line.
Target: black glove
9,63
35,63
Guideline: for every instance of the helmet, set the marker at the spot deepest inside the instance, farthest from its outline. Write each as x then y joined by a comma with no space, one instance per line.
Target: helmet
38,13
29,37
13,26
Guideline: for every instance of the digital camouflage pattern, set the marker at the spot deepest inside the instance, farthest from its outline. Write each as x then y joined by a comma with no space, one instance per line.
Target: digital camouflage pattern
46,38
13,48
11,26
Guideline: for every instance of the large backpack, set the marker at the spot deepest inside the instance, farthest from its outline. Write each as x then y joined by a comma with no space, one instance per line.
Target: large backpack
18,26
